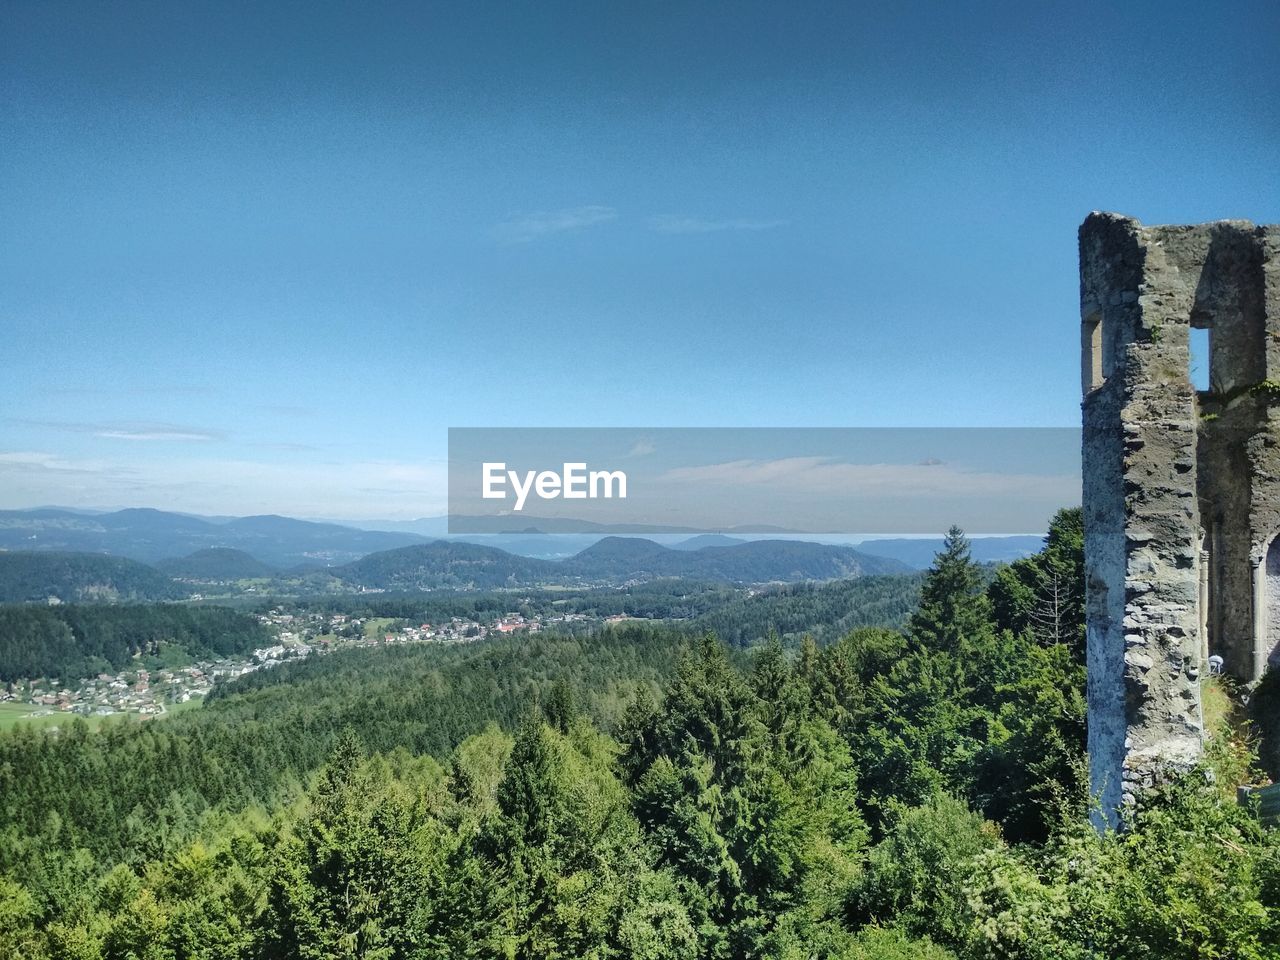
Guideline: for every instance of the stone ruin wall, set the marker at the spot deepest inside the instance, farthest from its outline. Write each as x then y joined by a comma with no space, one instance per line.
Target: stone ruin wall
1181,488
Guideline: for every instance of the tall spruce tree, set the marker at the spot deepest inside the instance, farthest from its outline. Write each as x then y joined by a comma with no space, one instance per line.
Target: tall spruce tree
953,606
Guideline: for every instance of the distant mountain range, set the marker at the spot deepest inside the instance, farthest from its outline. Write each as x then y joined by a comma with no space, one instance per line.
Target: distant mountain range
151,535
612,560
754,561
919,553
441,564
508,524
230,548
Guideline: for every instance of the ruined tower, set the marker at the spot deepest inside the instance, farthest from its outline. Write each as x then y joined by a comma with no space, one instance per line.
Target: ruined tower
1181,486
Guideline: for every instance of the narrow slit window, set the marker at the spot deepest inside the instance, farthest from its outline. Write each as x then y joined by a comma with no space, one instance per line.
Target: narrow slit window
1091,372
1198,366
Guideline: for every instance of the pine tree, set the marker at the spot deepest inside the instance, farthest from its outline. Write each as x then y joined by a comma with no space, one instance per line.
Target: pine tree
350,882
559,708
953,606
528,794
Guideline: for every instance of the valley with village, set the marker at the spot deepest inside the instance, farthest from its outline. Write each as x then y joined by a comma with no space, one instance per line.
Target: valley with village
155,691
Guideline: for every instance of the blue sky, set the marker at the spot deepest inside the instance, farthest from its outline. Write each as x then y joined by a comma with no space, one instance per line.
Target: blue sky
259,257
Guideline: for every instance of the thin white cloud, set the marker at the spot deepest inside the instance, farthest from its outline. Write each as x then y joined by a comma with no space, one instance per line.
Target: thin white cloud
677,223
286,447
130,430
546,223
642,448
15,462
826,477
157,432
233,487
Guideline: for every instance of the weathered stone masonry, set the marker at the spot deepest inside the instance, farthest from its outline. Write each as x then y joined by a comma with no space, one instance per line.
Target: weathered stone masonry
1181,488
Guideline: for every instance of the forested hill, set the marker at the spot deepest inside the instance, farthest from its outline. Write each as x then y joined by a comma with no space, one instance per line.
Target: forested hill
35,576
756,561
823,611
447,564
29,575
896,795
70,641
260,736
216,564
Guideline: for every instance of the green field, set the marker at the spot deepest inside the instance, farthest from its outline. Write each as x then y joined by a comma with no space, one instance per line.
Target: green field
173,708
12,714
376,627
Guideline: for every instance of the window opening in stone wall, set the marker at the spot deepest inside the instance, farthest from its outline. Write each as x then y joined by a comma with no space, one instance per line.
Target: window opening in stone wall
1091,372
1198,357
1270,600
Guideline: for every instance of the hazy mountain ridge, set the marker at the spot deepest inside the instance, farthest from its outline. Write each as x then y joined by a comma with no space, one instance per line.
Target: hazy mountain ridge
918,552
445,564
28,576
454,564
305,557
151,535
442,564
755,561
216,564
287,543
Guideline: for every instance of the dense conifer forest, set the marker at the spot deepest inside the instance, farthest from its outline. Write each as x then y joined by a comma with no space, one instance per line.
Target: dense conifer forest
646,792
67,642
80,577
